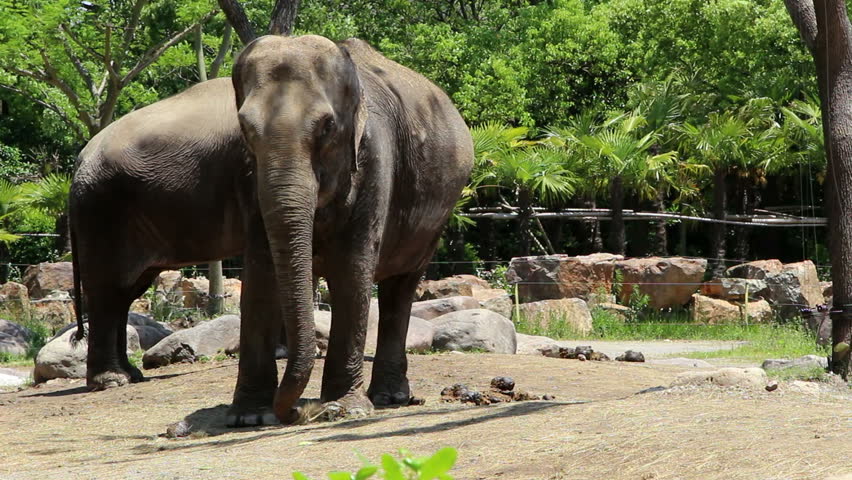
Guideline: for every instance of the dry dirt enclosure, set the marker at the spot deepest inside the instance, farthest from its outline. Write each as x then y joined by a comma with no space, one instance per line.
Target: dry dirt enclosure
598,427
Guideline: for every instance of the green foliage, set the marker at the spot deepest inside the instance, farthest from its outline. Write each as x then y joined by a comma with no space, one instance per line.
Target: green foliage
808,374
496,277
406,467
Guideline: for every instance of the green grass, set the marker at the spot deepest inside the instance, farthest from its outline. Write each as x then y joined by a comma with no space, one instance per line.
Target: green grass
808,374
764,340
41,333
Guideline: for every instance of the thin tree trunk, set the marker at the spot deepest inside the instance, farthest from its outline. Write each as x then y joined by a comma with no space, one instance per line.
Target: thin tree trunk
595,229
237,18
525,213
825,28
199,54
743,233
63,228
719,229
617,242
486,234
283,17
661,242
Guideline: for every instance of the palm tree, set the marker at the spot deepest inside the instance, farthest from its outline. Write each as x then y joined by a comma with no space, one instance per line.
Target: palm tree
529,169
10,201
50,195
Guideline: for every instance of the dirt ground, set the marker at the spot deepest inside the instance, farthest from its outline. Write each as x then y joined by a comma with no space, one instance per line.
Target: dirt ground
598,427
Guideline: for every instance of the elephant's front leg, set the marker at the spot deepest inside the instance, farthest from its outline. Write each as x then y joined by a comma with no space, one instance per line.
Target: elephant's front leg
343,375
260,331
389,384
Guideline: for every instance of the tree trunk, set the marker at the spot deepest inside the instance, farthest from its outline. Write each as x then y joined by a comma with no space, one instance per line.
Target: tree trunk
719,229
594,228
63,229
661,242
525,213
617,242
283,17
486,234
741,250
237,18
825,28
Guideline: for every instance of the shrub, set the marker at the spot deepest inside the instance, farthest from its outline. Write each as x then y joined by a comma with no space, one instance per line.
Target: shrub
407,467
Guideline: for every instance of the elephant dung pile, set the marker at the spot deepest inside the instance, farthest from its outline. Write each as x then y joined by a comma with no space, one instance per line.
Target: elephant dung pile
501,390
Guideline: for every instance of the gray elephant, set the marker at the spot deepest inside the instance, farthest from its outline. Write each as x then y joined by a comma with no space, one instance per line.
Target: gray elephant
359,164
165,186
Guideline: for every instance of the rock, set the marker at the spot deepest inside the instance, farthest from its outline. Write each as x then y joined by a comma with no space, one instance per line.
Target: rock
167,281
682,362
474,330
141,305
195,292
818,321
827,291
447,287
501,304
14,339
15,298
418,339
322,324
760,269
623,313
562,276
54,310
713,310
573,312
206,339
10,378
536,345
772,386
758,312
150,331
233,289
429,309
65,357
582,353
504,384
735,289
43,278
807,388
178,430
725,377
807,361
668,282
631,356
797,286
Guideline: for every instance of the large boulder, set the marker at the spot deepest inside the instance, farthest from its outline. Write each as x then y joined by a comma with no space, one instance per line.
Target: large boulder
572,312
735,288
758,312
726,377
233,289
807,361
429,309
446,287
150,331
562,276
206,339
65,357
14,338
43,278
536,345
714,310
195,292
501,304
54,310
759,269
167,281
477,330
668,282
795,287
15,298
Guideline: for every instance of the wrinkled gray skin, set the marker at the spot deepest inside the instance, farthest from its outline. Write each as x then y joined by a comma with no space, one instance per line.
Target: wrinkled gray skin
359,164
165,186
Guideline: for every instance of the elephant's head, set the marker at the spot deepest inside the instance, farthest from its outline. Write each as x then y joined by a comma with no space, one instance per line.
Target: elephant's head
301,113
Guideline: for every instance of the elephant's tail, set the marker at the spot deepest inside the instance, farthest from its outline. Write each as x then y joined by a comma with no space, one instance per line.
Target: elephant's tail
78,290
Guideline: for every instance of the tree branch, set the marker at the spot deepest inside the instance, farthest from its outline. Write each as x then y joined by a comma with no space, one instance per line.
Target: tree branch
53,79
62,115
157,51
237,18
223,51
78,65
283,17
804,18
130,29
79,43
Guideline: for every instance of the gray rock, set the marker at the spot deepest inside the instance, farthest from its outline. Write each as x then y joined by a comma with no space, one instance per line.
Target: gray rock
735,288
631,356
807,361
43,278
206,339
14,334
562,276
150,331
759,269
478,329
65,357
725,377
429,309
668,281
794,288
12,378
501,304
818,321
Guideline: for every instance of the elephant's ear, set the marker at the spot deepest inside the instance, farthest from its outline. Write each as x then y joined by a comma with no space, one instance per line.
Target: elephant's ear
360,124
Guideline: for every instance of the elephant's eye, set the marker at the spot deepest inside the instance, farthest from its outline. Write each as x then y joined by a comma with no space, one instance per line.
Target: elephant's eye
327,126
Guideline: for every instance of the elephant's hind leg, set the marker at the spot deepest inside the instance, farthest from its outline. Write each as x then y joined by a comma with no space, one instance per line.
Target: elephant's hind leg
389,384
107,363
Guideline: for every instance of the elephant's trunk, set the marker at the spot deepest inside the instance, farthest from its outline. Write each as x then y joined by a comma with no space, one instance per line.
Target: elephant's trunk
288,197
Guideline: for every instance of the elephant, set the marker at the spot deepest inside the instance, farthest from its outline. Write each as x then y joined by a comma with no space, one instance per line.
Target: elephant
165,186
359,163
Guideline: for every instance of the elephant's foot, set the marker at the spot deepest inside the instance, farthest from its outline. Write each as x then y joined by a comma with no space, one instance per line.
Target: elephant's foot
238,416
134,373
389,393
108,379
352,405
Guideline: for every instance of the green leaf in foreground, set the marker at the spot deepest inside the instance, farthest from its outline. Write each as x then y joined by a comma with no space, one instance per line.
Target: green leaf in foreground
439,464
